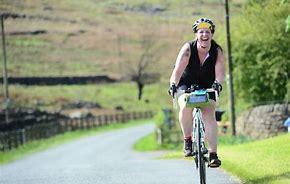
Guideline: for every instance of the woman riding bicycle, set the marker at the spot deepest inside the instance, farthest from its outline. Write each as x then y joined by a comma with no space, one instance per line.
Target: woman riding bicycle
199,62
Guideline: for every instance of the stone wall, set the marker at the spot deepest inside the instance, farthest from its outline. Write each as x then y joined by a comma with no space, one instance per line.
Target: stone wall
23,117
67,80
263,121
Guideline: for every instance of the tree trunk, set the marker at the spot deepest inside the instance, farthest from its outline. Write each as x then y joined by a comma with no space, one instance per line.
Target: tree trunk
140,90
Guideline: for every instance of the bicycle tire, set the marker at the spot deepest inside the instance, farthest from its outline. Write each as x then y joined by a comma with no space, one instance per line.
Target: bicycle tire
201,161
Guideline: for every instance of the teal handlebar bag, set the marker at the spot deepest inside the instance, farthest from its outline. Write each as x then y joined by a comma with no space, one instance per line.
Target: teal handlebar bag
198,98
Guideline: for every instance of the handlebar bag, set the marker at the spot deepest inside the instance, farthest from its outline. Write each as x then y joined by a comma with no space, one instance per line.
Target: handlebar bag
197,98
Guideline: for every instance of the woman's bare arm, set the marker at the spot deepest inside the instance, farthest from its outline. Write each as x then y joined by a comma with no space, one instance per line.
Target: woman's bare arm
180,64
219,67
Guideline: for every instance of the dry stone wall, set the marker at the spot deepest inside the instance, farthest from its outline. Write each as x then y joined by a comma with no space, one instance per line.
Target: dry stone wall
263,121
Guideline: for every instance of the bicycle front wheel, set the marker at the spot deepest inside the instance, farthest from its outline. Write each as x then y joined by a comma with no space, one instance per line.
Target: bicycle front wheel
201,161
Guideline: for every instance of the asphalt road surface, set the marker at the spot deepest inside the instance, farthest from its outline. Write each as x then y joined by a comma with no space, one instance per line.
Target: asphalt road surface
105,158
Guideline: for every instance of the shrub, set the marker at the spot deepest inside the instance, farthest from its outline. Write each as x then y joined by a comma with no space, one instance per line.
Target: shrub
261,52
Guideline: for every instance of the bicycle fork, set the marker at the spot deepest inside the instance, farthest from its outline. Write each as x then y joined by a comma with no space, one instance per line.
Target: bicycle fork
201,131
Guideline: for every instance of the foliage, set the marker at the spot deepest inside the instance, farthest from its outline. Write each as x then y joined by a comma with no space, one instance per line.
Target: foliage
287,21
261,52
170,131
284,1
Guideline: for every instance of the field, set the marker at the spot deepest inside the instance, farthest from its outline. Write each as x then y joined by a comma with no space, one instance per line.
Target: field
108,96
100,37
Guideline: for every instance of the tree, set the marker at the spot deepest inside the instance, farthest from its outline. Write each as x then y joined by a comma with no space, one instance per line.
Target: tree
287,21
138,62
149,54
261,52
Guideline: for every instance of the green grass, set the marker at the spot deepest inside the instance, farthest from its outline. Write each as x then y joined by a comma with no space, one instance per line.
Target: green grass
149,143
40,145
254,162
107,95
266,161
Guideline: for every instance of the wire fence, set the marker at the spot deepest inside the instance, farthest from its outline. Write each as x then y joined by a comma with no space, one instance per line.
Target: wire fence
13,139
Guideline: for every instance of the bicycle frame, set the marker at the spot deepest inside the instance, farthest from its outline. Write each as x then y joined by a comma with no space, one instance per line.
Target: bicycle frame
199,144
198,120
202,99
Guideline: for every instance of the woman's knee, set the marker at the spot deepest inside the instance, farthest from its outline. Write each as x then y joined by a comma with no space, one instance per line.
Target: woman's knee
208,113
185,114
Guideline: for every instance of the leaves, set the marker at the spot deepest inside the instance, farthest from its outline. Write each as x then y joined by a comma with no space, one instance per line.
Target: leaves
284,1
261,52
287,21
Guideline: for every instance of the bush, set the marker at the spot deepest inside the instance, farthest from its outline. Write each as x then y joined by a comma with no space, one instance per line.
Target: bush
170,131
261,52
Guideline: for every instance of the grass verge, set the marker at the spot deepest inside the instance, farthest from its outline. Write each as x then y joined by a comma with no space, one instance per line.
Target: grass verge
266,161
40,145
254,162
149,143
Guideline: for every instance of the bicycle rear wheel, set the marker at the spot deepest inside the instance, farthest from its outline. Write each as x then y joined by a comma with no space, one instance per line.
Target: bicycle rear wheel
201,161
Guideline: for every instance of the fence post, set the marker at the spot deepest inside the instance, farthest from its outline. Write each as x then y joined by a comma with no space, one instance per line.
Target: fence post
106,119
159,136
99,120
1,141
9,141
82,123
23,136
133,115
123,117
128,117
89,123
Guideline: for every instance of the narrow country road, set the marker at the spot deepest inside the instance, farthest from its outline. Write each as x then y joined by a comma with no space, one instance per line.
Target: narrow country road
105,158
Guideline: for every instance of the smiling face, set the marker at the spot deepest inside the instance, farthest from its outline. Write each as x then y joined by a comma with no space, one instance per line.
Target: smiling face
204,37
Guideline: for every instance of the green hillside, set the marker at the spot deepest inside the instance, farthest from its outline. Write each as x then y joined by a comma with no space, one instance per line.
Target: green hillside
100,37
81,38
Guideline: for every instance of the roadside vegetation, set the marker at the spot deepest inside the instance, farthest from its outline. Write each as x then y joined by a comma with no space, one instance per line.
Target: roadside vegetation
254,162
261,58
265,161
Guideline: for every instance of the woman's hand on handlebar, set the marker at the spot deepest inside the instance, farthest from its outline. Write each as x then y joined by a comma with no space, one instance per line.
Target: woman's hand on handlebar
172,90
217,86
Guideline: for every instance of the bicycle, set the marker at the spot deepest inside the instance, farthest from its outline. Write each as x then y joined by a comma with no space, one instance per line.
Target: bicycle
197,98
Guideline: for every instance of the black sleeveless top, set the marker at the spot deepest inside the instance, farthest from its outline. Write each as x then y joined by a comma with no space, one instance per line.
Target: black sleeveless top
195,73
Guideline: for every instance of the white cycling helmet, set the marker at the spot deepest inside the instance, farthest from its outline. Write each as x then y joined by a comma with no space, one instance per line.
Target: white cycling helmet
203,23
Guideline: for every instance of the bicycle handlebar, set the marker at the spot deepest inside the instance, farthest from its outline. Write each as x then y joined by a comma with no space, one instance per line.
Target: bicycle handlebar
189,90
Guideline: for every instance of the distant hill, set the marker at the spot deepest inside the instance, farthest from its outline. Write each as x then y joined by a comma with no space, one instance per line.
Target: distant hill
81,38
